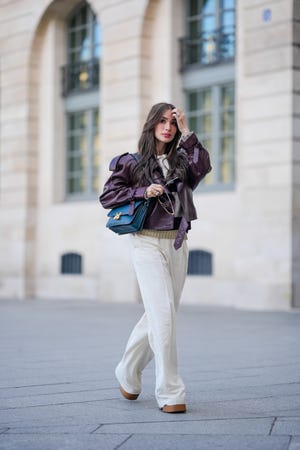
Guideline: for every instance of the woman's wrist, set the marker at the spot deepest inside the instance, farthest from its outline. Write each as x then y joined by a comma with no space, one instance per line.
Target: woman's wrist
146,195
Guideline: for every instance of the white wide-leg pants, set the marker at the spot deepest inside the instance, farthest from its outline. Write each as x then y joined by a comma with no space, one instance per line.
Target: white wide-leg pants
161,272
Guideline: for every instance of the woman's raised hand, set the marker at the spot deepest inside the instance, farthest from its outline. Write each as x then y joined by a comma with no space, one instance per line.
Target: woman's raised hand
180,117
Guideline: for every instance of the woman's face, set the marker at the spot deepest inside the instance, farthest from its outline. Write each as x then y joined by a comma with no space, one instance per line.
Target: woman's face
166,129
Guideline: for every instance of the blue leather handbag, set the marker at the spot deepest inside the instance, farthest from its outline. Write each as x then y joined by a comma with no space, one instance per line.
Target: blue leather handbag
128,218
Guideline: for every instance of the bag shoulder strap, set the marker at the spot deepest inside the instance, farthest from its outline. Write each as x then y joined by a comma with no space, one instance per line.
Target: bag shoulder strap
136,156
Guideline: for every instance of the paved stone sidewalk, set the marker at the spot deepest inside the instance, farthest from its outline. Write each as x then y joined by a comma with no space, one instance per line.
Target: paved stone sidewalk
57,386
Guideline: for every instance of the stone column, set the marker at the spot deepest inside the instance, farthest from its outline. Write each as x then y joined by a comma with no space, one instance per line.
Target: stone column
296,157
264,152
16,163
120,118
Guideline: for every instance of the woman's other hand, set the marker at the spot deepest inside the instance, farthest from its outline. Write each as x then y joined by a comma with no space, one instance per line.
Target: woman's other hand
154,190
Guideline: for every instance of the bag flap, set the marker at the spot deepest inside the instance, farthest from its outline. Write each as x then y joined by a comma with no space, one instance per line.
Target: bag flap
127,209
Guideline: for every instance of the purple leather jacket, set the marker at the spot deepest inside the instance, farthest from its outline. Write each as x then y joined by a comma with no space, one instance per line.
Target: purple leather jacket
119,188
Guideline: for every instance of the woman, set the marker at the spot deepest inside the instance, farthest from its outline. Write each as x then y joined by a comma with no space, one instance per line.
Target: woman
167,175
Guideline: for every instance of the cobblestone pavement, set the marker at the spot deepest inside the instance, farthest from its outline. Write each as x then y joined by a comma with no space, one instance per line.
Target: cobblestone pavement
58,391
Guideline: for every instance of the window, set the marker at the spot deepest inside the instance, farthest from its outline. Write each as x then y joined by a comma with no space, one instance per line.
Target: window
81,94
83,152
210,113
199,263
210,32
71,263
84,51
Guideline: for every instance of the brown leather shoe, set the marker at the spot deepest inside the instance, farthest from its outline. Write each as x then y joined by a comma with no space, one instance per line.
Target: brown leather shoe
127,395
181,408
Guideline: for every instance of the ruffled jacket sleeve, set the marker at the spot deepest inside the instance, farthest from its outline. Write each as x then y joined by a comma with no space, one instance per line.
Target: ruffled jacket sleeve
119,188
198,159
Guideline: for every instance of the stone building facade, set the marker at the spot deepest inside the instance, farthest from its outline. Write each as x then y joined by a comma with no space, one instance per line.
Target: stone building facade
76,82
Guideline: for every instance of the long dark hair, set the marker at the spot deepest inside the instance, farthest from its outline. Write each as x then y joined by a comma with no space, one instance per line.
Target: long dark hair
143,172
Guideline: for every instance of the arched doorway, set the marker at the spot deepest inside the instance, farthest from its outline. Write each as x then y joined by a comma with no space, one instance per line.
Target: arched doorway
46,137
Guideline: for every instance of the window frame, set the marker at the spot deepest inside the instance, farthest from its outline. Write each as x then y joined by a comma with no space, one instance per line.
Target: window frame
216,136
80,74
78,101
200,40
207,76
90,32
89,171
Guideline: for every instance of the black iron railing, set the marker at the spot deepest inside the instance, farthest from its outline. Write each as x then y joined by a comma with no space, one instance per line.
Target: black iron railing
79,77
208,48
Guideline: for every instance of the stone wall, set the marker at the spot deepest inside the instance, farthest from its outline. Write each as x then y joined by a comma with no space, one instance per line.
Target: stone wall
252,231
264,99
